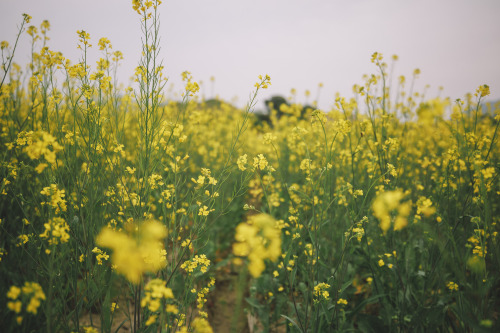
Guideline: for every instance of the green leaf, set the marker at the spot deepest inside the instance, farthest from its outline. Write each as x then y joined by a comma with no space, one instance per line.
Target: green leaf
253,302
293,322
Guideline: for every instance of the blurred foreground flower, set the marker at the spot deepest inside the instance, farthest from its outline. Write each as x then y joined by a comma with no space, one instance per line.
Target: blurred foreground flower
30,295
137,251
385,203
258,239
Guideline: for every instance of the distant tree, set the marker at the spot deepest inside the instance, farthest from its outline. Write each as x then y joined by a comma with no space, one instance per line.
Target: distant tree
274,103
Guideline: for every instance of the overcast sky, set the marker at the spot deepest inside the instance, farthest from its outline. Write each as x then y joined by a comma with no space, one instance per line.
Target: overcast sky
455,43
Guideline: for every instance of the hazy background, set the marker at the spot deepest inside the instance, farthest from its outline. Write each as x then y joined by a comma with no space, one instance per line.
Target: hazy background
455,43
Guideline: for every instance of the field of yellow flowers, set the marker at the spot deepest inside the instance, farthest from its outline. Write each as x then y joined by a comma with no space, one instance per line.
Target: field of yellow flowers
121,211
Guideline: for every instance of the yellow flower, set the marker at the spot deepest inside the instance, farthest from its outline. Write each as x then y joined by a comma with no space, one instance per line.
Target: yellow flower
452,286
320,291
483,90
27,18
260,162
198,260
32,292
41,167
56,231
14,292
424,206
258,239
387,202
100,255
15,306
136,254
172,309
201,325
307,165
154,291
242,161
104,43
90,329
342,301
56,197
269,138
204,211
151,320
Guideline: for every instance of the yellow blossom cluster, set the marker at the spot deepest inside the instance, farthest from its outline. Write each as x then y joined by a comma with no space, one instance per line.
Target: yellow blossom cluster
424,206
452,286
242,162
56,198
100,255
258,239
201,297
198,325
385,203
321,292
342,301
155,292
137,251
30,293
200,261
56,231
39,144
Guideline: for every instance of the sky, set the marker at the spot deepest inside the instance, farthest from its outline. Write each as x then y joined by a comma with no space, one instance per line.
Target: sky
299,43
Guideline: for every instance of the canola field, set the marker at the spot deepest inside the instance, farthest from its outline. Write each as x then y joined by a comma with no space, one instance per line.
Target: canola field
123,211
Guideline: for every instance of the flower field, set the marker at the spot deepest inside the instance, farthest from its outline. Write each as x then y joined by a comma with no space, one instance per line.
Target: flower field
124,211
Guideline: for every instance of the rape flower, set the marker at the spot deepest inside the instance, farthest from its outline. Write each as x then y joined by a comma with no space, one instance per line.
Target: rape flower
56,197
269,138
198,260
264,83
27,18
43,144
385,203
242,161
424,206
342,301
307,165
358,233
90,329
483,90
100,255
488,172
2,253
84,39
204,211
258,239
32,294
452,286
135,254
56,231
104,43
13,292
154,291
170,308
376,57
320,292
198,325
260,162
